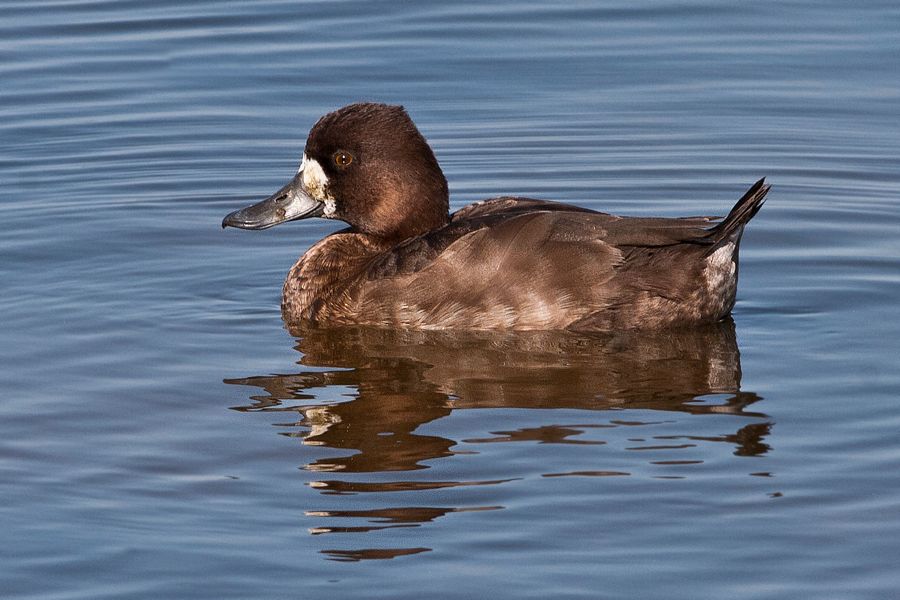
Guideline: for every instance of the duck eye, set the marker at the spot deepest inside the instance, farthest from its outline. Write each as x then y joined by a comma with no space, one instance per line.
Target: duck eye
342,159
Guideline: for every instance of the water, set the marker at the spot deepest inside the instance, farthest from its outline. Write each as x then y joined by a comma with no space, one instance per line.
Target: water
163,436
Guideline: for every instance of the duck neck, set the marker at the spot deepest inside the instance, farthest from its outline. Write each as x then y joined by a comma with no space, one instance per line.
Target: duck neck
410,227
407,211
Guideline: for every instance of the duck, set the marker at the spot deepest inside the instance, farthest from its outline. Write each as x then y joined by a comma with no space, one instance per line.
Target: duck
507,263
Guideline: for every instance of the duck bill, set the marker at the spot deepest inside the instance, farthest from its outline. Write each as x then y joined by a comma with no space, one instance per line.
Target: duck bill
290,203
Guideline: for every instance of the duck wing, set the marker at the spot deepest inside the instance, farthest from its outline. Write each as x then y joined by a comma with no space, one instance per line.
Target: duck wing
504,264
531,264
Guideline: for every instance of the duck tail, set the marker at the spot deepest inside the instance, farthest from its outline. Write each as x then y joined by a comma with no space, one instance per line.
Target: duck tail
733,225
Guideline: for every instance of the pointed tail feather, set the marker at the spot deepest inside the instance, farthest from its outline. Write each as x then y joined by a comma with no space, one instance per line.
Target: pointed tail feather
742,212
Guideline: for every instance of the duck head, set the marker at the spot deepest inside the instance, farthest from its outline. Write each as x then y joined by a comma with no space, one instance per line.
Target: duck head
367,165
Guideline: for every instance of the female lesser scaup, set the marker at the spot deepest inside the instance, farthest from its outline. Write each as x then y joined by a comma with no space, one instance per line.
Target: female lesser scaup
504,263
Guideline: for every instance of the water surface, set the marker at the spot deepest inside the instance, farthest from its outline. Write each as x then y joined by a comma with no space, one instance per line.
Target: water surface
163,435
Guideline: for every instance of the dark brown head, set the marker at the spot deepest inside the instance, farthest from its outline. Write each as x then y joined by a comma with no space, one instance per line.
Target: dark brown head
367,165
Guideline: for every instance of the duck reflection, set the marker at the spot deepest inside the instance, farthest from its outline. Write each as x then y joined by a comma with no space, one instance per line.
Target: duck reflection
404,379
378,388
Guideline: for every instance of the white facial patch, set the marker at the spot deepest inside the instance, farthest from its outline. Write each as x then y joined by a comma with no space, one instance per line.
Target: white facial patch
314,180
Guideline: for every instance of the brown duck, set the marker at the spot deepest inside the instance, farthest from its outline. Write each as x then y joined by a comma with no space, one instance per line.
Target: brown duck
505,263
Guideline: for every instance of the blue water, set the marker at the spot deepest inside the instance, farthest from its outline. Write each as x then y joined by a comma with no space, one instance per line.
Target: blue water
163,436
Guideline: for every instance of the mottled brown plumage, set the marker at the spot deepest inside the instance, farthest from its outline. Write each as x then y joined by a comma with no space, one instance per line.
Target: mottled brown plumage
505,263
